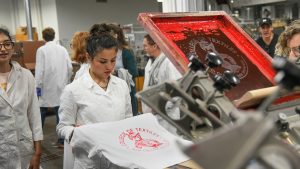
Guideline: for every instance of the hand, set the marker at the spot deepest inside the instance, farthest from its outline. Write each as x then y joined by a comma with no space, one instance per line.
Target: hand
39,91
35,162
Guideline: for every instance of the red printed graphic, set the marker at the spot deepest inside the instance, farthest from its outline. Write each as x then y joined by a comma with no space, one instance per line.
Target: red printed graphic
140,139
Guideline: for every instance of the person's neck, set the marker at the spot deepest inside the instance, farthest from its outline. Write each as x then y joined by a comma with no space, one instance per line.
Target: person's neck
5,67
156,54
100,81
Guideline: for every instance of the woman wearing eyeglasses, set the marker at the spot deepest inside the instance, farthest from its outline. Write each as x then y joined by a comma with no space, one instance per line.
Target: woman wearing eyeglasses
288,44
20,120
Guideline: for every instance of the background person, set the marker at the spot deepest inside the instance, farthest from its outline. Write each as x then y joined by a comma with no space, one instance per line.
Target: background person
95,97
267,39
20,121
79,54
53,71
289,42
126,60
159,69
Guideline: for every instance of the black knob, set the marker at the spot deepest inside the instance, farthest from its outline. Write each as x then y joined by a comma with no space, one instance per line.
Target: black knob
231,78
195,63
225,81
213,60
297,109
220,84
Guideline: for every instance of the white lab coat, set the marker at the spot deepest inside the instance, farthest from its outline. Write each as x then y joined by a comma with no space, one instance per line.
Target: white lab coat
85,102
83,68
53,72
20,119
167,72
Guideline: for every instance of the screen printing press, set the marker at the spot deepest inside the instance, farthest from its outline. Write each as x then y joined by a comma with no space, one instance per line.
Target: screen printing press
238,105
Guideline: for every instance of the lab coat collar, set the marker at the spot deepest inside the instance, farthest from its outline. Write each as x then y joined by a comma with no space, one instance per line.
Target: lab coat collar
160,55
14,75
155,59
90,83
49,42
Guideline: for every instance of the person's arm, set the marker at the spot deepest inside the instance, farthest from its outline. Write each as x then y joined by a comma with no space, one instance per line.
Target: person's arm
35,160
129,63
34,119
67,115
39,70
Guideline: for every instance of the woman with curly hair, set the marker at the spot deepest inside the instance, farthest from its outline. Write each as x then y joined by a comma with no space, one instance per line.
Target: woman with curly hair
288,44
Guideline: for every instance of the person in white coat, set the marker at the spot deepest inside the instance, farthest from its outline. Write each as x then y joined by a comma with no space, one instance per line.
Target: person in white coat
158,69
53,72
95,97
20,121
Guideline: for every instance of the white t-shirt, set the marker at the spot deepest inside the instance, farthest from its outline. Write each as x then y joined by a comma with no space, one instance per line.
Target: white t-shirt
3,80
137,142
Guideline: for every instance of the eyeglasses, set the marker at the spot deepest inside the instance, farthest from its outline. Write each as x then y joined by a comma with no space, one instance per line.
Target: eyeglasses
7,45
296,50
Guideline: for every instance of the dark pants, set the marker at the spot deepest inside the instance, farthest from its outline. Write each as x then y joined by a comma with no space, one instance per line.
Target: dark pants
44,111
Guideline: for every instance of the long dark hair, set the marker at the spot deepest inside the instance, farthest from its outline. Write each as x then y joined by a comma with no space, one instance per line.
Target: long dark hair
98,29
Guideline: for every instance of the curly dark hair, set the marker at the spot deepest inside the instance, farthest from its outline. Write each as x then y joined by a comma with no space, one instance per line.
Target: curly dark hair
97,29
98,42
121,38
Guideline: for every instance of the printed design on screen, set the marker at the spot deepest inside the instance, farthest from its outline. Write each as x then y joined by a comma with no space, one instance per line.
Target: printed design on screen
141,139
237,65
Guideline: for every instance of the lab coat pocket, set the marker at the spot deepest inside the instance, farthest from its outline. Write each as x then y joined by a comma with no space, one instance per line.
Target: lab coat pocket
9,156
3,146
26,145
2,136
4,149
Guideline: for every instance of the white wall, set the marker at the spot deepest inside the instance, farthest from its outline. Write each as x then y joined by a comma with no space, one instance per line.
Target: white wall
69,16
43,14
78,15
49,16
182,5
6,15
